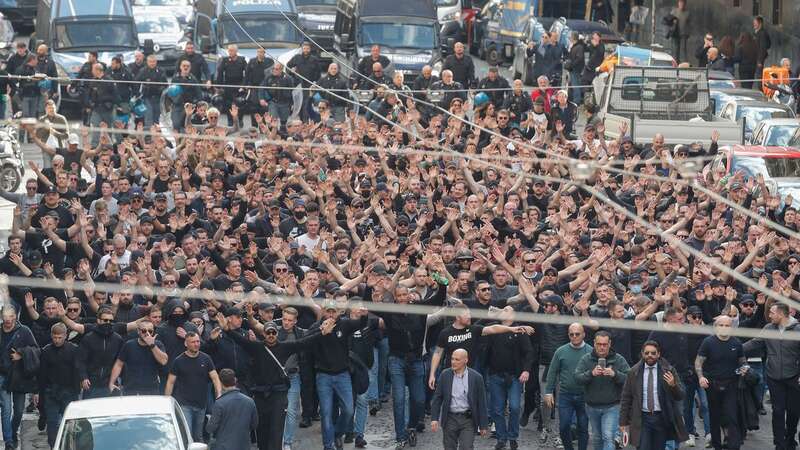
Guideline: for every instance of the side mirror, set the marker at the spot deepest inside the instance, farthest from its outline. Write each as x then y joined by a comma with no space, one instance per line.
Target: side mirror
149,46
451,43
205,44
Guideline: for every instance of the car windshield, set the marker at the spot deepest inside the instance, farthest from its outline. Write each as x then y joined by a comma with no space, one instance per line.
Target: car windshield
768,167
721,84
120,433
156,24
780,135
85,34
161,3
445,2
259,29
397,35
754,115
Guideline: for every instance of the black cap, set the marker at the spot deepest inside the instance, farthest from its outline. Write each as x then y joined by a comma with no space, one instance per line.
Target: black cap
694,310
379,269
716,283
233,311
554,299
747,298
635,278
123,199
146,218
51,190
331,287
161,196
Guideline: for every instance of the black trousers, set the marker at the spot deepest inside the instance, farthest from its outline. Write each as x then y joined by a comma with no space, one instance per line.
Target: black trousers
653,435
785,395
308,390
723,407
271,407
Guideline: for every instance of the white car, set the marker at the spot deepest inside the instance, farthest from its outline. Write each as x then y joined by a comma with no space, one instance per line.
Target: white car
775,132
162,28
145,422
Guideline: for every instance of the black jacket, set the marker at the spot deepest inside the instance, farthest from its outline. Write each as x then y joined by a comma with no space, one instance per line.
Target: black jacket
58,370
28,87
783,356
97,355
152,75
763,44
229,354
331,351
15,61
124,86
596,56
463,69
308,67
231,71
199,66
190,90
18,338
407,331
23,376
748,402
518,104
100,94
256,71
338,84
575,59
365,65
451,91
282,94
490,88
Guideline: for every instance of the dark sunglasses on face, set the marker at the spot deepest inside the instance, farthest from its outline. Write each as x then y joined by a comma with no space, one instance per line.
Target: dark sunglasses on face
75,310
271,333
484,289
148,332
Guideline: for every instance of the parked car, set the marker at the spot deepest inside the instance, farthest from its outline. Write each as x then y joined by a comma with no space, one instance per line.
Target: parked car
183,10
753,112
775,132
585,28
722,97
124,423
780,166
719,79
161,27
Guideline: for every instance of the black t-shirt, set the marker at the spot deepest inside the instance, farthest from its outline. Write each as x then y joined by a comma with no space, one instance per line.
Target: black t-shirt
722,357
191,385
451,339
50,252
141,368
72,160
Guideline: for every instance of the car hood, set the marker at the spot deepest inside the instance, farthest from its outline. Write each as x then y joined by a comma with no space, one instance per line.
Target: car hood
283,54
71,62
161,39
403,58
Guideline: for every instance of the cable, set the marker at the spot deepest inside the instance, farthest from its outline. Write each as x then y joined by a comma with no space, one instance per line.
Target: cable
387,307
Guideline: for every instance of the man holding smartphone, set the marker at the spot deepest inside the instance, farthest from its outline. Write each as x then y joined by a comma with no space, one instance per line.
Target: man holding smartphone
602,374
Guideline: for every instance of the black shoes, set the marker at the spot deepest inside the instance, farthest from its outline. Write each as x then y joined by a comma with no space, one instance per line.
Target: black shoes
412,438
360,442
349,437
374,407
338,443
501,445
523,420
305,422
513,445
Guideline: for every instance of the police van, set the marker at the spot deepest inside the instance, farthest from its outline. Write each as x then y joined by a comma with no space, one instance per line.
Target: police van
407,31
72,28
249,24
316,19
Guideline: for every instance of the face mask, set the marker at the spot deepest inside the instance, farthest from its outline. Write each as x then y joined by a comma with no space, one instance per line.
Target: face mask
299,214
104,329
176,319
635,288
757,271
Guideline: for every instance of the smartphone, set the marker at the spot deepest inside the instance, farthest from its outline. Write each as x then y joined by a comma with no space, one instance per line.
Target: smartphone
601,362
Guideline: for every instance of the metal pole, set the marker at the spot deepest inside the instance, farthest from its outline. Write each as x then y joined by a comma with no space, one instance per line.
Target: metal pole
653,23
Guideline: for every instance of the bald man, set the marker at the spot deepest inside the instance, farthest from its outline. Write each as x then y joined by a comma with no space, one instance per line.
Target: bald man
459,404
720,362
570,392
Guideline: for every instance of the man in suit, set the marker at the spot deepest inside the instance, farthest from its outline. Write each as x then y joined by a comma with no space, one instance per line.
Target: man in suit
459,403
648,412
233,417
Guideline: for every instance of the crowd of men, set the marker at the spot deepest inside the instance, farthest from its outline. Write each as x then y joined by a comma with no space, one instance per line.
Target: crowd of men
271,266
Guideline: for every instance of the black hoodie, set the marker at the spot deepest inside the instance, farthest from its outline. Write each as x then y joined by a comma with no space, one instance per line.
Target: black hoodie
97,353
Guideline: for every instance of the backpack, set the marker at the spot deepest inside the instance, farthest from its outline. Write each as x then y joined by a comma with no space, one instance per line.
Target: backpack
359,374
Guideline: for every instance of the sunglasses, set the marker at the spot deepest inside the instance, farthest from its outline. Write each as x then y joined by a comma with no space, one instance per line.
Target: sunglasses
528,261
650,353
100,320
271,333
168,282
281,270
75,310
484,289
148,332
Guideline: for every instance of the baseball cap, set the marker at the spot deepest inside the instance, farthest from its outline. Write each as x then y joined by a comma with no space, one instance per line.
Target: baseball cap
73,139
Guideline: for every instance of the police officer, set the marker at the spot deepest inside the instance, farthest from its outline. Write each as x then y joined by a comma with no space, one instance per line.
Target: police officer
231,71
335,82
46,66
495,86
277,96
461,65
421,84
138,63
307,67
120,73
100,98
367,64
377,78
190,93
29,92
151,93
450,89
199,66
256,72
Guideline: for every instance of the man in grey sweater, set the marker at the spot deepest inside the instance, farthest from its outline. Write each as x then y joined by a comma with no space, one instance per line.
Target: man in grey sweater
233,417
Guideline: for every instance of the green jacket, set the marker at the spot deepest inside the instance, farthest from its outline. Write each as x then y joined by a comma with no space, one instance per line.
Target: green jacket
602,391
562,369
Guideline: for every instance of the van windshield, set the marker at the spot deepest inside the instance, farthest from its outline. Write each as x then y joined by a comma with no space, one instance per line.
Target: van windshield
315,2
398,35
95,35
245,30
120,433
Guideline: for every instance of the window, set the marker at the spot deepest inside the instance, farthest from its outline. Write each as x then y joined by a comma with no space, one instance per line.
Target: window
737,3
182,426
777,10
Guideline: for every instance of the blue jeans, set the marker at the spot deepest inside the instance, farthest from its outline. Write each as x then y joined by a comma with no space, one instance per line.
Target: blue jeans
359,422
293,409
605,422
12,405
758,367
194,417
503,391
30,106
383,368
373,392
692,386
569,406
334,388
575,93
412,374
55,402
153,113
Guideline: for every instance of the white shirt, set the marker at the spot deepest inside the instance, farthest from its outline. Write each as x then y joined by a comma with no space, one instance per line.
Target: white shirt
646,369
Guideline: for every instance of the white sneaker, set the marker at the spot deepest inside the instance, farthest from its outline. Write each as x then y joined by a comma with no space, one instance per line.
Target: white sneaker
708,440
543,437
557,443
690,442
